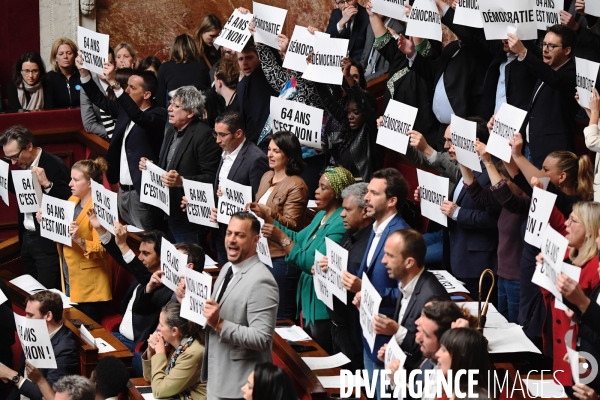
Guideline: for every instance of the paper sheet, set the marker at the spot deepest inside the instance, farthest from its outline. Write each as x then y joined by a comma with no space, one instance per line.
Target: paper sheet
103,346
3,298
312,204
87,336
293,333
510,340
548,388
315,363
333,382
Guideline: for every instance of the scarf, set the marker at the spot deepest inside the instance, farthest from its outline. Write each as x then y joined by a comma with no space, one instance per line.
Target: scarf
36,94
185,343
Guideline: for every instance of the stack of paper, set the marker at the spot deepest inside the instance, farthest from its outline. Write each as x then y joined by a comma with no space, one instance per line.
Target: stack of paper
293,333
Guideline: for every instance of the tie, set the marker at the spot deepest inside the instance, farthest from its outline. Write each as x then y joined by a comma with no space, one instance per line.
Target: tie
225,283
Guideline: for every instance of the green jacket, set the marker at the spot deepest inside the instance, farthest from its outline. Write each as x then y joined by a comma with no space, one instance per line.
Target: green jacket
302,257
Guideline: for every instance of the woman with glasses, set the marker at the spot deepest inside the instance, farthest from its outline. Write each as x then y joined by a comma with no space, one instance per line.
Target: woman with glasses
64,78
29,89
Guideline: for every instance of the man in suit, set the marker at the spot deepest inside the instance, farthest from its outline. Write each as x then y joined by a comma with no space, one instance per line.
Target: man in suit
405,262
375,65
189,152
241,313
550,120
349,21
48,306
138,132
242,162
39,255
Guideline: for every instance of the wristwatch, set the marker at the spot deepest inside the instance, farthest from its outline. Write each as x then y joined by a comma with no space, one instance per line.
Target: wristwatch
286,242
82,241
116,85
16,378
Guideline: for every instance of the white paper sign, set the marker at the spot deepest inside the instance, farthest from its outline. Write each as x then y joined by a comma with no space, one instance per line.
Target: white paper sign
105,206
4,181
507,122
94,49
103,346
424,21
574,362
234,199
262,247
268,21
369,307
35,341
326,66
87,336
467,14
3,297
433,190
235,33
337,263
154,191
592,7
540,209
197,290
547,13
572,272
173,263
28,283
398,120
304,121
27,190
554,246
449,282
587,73
301,44
316,363
390,8
57,215
394,352
201,201
497,15
320,281
464,136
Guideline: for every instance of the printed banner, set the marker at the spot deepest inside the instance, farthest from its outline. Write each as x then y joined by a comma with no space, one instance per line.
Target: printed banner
27,190
424,21
337,263
464,136
508,121
201,201
390,8
498,15
4,181
320,281
304,121
592,7
197,290
433,190
467,14
234,199
57,215
235,33
300,46
587,73
35,341
268,21
94,49
554,246
398,120
326,66
105,205
369,306
547,12
154,191
173,263
540,209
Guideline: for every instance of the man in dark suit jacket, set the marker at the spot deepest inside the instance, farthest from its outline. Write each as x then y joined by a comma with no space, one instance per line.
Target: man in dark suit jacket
349,21
375,65
39,255
138,133
49,306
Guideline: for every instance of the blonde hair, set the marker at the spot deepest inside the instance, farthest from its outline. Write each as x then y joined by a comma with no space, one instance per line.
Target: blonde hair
130,49
184,49
589,215
54,51
92,169
209,22
580,173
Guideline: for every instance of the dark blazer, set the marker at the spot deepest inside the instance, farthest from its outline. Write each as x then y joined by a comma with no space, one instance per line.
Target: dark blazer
358,35
427,287
14,104
67,363
143,140
248,168
196,158
381,64
65,91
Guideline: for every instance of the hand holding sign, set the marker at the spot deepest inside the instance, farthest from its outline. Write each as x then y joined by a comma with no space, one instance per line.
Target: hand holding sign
507,123
93,49
35,341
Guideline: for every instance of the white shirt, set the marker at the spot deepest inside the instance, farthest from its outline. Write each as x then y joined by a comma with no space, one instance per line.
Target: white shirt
228,160
28,221
378,232
265,197
406,295
237,268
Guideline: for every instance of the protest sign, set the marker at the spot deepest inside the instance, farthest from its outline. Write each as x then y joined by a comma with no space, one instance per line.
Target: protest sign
507,122
390,8
398,120
320,281
424,21
304,121
154,191
94,49
433,190
262,247
35,341
463,134
233,199
467,14
394,352
4,181
201,201
3,297
57,215
268,22
587,73
369,306
301,44
197,290
449,282
337,263
498,15
27,190
326,66
592,7
173,263
539,214
105,206
235,33
554,246
547,13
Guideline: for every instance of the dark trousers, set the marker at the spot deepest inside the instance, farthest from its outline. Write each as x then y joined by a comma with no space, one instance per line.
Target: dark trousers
44,267
184,233
92,310
344,340
136,362
320,331
287,278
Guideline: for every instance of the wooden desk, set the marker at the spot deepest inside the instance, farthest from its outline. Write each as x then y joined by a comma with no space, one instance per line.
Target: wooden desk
132,390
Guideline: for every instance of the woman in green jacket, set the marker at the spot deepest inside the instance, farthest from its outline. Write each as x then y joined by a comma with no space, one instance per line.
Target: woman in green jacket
300,248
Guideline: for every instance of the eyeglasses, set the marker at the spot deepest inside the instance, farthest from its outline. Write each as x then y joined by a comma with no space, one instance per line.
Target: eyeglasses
342,2
13,158
219,134
549,46
572,221
30,71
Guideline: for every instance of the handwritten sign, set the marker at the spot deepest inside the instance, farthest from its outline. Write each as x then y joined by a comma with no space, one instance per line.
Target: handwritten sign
587,73
424,21
398,120
464,135
449,282
540,209
27,190
369,306
57,215
94,49
173,263
201,201
320,281
433,190
35,341
498,15
4,181
554,246
467,14
508,121
547,12
105,206
154,191
304,121
268,21
301,44
337,258
390,8
234,199
197,291
326,66
235,33
394,352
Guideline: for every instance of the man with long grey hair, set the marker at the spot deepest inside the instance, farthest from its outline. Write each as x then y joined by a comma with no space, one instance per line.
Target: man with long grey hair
74,387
